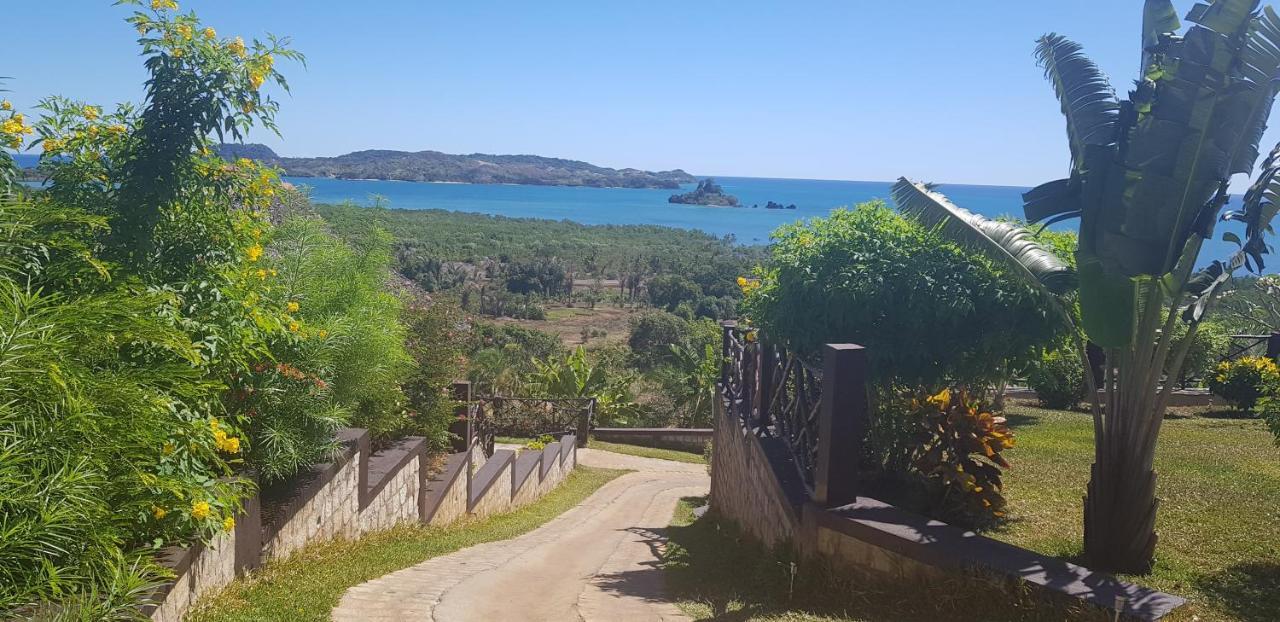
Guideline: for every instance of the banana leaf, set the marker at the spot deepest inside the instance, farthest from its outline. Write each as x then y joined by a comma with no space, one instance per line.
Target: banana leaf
1010,244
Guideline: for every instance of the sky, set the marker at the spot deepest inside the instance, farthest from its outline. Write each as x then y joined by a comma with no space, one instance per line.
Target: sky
934,90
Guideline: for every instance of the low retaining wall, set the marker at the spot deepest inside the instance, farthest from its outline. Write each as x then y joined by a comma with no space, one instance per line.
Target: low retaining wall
755,484
360,491
685,439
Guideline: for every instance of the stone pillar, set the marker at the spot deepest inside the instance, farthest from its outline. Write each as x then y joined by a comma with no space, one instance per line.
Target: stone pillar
842,424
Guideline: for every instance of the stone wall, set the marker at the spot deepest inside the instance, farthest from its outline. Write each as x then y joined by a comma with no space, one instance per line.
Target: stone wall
684,439
752,486
338,500
744,487
396,503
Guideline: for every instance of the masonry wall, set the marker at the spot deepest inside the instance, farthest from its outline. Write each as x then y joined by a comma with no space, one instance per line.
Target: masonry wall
684,439
337,501
744,488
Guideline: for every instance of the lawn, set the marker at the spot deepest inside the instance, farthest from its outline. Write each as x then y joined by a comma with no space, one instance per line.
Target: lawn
309,584
648,452
1219,519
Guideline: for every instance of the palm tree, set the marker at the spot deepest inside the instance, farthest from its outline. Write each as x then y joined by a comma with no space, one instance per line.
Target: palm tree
1148,180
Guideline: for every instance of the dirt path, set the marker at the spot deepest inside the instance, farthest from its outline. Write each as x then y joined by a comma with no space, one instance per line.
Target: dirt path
598,561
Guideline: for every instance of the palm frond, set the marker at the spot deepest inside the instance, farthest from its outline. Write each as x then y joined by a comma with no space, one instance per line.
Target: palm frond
1088,101
1007,243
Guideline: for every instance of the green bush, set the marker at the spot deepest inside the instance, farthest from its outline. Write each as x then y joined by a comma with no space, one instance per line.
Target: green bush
940,455
132,298
334,293
1058,378
653,332
1242,381
928,311
435,343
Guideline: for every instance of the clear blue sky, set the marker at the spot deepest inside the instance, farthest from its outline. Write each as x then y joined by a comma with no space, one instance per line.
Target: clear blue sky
937,90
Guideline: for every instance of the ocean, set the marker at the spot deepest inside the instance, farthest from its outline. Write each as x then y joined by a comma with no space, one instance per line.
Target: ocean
628,206
619,206
649,206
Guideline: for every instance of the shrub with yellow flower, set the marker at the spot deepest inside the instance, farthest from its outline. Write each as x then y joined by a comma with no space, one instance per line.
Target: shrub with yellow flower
159,512
961,454
228,523
1242,381
200,510
292,307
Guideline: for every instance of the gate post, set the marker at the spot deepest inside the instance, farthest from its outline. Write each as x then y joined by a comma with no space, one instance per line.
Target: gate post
726,333
842,424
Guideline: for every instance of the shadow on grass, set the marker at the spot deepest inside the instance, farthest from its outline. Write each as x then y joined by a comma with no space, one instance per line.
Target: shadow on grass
730,577
1250,591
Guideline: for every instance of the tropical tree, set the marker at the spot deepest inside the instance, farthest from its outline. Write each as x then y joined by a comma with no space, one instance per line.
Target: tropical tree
1148,180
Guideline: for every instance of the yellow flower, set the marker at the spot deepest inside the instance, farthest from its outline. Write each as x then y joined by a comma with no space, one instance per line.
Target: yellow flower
253,252
200,510
247,107
167,449
179,53
742,281
115,128
237,47
941,399
15,142
273,272
213,424
160,5
255,80
6,104
323,333
184,30
158,512
210,33
219,437
228,523
52,145
244,162
292,307
293,326
91,113
268,61
231,445
262,274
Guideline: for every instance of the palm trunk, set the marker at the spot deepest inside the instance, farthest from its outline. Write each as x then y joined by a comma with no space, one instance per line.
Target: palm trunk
1120,505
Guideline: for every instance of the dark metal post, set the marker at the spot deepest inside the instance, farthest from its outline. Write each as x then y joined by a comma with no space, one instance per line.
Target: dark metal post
842,424
726,333
764,393
1273,346
460,391
584,422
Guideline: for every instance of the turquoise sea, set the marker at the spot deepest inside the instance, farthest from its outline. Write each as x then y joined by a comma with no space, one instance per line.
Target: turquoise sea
643,206
594,206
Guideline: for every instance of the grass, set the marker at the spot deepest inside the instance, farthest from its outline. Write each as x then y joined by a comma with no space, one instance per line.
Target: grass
649,452
715,573
1219,517
309,584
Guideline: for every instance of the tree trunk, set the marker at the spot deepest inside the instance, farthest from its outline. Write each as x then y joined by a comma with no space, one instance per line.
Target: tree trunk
1119,518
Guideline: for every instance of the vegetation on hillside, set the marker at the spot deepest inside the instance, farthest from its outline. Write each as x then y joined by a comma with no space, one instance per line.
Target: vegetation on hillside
475,168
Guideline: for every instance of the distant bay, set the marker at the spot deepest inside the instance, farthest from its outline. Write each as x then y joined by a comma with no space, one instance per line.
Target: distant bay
628,206
631,206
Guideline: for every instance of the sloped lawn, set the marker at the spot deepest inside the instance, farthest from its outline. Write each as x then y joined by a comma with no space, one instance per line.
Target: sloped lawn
1219,518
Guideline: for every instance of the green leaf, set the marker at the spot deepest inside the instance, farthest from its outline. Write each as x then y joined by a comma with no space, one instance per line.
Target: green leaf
1158,17
1007,243
1108,304
1088,101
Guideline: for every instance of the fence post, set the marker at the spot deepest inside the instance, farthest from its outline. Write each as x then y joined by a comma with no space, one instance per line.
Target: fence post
1273,346
765,355
726,333
842,423
460,392
584,423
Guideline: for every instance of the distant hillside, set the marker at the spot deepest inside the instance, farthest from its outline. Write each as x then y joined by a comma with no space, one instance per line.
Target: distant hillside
476,168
